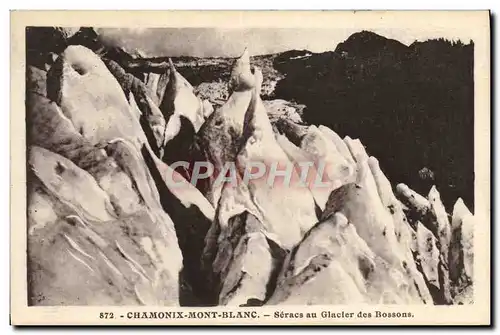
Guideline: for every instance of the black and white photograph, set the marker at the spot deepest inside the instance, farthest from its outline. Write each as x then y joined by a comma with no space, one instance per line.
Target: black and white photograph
251,167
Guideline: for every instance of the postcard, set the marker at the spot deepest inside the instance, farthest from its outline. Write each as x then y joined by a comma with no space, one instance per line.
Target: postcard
250,168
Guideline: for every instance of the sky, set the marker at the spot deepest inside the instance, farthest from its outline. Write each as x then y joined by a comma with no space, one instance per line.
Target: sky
223,42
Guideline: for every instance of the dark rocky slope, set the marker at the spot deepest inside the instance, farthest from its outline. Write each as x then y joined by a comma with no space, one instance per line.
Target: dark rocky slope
413,105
